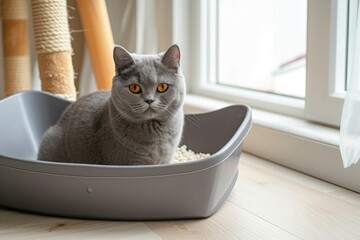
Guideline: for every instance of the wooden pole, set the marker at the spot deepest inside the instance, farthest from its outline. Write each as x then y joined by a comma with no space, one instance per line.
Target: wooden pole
99,39
16,46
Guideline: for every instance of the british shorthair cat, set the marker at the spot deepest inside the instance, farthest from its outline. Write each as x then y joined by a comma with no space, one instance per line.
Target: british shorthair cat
138,122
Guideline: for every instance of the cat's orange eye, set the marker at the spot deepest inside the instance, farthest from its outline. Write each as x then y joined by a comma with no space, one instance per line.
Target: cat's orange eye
135,88
162,87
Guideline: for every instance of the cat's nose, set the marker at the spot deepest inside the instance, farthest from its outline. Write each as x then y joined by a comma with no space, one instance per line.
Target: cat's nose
149,101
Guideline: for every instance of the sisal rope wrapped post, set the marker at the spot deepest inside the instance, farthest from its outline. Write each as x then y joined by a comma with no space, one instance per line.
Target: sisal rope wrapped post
17,70
53,47
98,35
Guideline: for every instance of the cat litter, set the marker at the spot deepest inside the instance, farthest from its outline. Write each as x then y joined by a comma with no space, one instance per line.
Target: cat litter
192,189
182,154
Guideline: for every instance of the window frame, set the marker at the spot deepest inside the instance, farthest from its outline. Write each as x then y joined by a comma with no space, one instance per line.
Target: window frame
327,61
322,103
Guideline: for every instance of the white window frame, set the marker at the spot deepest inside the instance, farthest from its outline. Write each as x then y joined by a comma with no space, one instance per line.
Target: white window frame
326,60
260,100
323,101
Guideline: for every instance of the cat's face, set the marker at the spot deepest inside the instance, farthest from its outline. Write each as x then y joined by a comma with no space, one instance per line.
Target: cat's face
148,86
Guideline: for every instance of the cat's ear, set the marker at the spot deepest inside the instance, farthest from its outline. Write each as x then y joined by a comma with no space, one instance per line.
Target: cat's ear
171,58
122,58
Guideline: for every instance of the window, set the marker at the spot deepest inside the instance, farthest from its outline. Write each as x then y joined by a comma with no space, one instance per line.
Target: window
263,48
292,59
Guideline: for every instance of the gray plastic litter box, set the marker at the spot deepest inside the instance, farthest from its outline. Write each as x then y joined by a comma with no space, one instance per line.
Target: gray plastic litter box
173,191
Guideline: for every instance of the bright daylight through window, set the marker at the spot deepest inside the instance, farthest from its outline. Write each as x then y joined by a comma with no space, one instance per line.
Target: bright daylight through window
287,57
263,48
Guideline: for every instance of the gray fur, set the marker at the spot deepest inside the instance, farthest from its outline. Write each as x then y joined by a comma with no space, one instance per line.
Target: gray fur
120,127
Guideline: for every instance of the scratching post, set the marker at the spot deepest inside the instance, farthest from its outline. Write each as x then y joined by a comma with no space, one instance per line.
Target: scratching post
53,47
98,35
17,71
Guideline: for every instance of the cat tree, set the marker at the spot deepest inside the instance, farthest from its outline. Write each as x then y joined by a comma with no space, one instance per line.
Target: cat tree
53,47
17,71
53,44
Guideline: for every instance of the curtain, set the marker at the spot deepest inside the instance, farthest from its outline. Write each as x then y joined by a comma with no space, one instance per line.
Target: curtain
350,119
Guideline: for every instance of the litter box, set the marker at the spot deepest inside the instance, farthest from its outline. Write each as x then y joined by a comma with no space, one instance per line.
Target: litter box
193,189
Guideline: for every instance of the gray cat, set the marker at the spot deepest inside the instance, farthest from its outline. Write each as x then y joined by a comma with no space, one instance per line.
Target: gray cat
139,122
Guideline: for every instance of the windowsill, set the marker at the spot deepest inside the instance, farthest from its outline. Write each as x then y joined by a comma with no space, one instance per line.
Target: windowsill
282,123
295,143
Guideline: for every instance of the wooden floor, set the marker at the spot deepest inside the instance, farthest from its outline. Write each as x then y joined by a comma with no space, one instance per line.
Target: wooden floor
268,202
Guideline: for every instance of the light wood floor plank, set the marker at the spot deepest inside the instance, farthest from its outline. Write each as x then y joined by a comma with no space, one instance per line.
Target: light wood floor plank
295,207
289,174
17,225
346,195
230,222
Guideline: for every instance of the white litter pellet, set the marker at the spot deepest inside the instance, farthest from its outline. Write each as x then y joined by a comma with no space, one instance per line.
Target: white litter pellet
183,154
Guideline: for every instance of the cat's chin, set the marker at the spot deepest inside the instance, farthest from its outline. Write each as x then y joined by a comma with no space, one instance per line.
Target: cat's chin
150,114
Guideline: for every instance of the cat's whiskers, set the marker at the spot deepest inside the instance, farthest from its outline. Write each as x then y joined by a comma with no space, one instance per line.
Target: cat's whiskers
169,114
158,107
139,108
193,119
